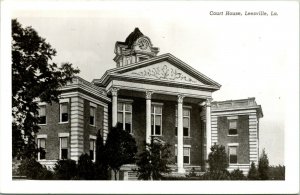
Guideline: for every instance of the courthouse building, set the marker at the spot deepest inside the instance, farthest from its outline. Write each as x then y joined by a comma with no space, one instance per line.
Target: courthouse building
150,95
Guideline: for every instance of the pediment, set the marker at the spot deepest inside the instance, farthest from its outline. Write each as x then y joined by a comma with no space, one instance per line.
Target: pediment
163,71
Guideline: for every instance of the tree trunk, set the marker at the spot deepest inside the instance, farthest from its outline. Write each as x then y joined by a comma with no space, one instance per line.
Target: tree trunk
115,171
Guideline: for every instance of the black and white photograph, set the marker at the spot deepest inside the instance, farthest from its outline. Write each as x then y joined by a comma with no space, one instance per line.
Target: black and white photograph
149,97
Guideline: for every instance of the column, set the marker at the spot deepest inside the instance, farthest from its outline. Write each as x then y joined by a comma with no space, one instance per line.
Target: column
148,116
180,135
208,126
114,93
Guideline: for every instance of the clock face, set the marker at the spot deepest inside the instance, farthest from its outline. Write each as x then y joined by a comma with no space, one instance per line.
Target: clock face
143,44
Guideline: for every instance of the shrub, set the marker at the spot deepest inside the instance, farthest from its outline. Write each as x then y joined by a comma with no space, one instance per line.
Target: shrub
253,173
65,169
216,175
46,174
101,171
153,161
237,174
32,169
192,173
86,169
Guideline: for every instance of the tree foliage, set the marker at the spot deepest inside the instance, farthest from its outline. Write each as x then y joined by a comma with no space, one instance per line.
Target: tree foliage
253,173
218,163
277,172
120,149
32,169
217,158
263,166
237,174
33,76
153,161
101,167
65,170
85,168
216,175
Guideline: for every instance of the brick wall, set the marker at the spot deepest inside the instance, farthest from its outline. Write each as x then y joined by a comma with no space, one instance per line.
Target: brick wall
52,129
242,139
89,129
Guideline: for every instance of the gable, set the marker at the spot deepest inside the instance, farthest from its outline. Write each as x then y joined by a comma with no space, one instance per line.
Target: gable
164,71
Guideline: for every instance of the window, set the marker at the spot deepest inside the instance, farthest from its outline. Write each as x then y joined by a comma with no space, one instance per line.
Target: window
125,116
156,119
93,149
42,115
232,127
176,154
92,115
64,115
186,122
186,155
233,154
42,148
63,147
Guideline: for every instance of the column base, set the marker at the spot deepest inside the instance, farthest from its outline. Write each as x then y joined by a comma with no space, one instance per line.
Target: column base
206,166
181,170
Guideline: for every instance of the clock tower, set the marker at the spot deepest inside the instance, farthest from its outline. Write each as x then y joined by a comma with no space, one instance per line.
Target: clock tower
136,47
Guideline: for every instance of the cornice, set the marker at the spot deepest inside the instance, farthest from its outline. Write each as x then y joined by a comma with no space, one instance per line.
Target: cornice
161,82
257,108
168,57
89,88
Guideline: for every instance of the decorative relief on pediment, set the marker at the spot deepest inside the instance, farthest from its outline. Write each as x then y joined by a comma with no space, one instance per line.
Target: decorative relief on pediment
165,72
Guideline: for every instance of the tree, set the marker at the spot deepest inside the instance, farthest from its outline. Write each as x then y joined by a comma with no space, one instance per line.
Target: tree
120,149
253,174
217,158
101,167
263,166
85,168
277,172
153,161
33,76
32,169
218,163
65,169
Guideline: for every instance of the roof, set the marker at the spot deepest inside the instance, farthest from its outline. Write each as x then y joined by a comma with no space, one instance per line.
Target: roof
240,104
132,37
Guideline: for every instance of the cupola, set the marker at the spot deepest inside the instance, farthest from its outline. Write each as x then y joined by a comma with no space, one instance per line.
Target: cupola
137,47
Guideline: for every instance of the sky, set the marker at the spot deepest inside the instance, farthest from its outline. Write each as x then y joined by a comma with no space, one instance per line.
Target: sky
250,56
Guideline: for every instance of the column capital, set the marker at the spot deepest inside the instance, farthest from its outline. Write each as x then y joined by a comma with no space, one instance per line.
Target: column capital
208,101
149,94
114,91
180,98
